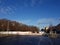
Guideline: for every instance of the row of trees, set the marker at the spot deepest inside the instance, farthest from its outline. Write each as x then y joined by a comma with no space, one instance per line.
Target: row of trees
8,25
52,28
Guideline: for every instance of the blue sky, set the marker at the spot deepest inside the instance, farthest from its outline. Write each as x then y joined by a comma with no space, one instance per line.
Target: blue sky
31,12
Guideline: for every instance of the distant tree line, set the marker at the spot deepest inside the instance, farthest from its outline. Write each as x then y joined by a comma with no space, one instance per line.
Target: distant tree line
8,25
52,28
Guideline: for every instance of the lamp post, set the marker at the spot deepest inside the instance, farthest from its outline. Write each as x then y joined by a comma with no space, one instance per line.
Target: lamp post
2,27
8,27
39,26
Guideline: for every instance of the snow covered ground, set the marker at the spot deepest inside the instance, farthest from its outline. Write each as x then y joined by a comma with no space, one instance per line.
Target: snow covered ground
21,33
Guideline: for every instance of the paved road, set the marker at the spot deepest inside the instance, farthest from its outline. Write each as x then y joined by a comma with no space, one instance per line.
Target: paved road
28,40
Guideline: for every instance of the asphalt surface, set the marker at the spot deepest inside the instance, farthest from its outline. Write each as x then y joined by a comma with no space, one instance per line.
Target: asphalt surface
29,40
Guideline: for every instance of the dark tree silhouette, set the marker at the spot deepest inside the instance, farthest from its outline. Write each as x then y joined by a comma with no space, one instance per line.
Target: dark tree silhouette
16,26
54,29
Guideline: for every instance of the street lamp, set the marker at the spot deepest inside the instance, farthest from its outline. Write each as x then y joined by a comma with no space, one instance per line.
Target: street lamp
8,27
39,26
2,27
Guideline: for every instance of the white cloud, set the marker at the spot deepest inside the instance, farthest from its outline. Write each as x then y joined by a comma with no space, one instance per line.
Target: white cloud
0,1
5,8
35,2
27,22
32,3
48,21
43,22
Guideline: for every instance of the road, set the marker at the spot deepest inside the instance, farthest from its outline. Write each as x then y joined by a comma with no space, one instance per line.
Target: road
29,40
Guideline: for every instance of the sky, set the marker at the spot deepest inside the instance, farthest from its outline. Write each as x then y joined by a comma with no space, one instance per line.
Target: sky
39,13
